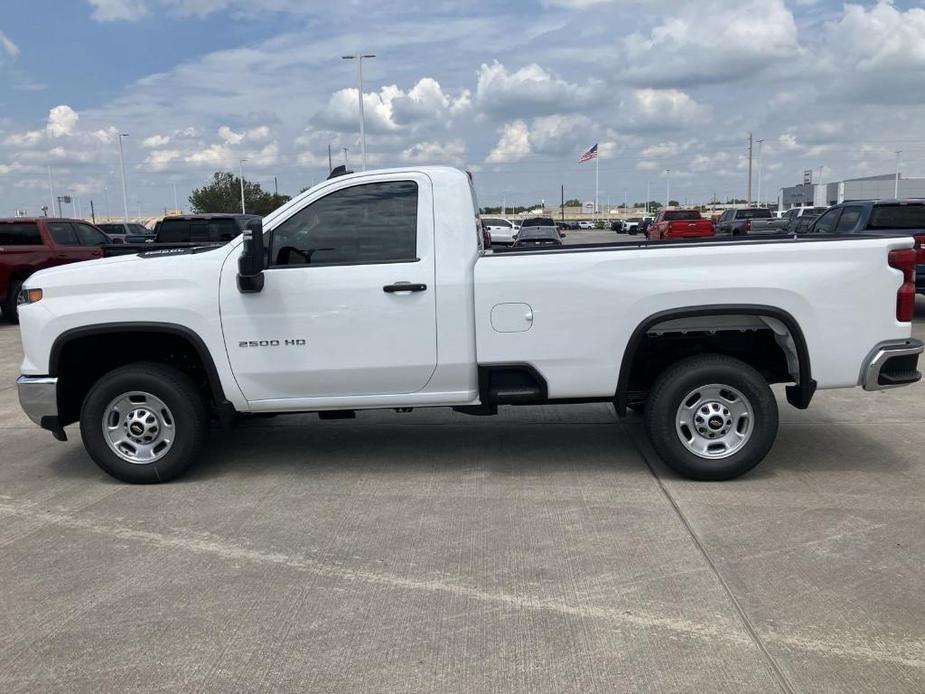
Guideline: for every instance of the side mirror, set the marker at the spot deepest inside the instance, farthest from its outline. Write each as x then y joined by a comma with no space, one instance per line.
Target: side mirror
252,260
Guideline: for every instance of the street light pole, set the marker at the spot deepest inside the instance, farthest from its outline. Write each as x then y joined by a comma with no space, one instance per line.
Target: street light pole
896,182
241,178
359,58
760,163
124,189
346,165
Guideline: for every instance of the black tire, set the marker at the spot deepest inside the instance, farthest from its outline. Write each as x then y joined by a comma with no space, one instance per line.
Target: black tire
187,409
681,379
10,307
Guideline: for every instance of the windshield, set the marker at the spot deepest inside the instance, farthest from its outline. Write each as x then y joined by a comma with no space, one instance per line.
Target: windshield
538,222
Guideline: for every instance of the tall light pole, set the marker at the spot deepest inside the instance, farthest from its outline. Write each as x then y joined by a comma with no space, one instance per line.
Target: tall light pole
359,58
749,196
51,191
124,189
241,179
896,182
667,188
346,165
648,195
176,207
759,171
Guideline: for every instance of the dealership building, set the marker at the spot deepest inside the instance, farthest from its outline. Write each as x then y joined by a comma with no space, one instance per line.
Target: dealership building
867,188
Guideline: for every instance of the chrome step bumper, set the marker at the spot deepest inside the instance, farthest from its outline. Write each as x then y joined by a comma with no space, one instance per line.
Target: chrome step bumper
893,364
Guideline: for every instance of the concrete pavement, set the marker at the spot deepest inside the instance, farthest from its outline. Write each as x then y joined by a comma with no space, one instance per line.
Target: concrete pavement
535,551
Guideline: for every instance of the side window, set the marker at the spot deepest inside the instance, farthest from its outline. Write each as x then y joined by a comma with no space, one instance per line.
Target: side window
20,234
826,223
63,233
848,220
371,223
88,236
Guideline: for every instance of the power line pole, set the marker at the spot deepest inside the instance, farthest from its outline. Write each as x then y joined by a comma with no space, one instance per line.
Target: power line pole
896,182
124,189
359,58
749,200
241,179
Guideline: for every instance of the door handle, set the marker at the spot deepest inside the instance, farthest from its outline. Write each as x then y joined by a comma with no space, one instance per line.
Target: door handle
404,287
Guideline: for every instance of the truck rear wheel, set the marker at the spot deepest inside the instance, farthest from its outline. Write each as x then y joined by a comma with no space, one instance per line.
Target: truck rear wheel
711,417
144,423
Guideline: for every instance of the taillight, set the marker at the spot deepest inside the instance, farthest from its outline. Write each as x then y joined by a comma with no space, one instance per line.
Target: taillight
904,261
920,249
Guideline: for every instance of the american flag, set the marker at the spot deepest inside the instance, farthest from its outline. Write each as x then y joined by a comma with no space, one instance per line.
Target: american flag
589,155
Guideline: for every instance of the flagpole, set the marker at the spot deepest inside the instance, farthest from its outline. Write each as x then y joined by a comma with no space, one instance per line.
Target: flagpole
597,171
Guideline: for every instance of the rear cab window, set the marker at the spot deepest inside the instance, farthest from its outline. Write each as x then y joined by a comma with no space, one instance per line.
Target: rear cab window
682,215
762,213
897,217
20,234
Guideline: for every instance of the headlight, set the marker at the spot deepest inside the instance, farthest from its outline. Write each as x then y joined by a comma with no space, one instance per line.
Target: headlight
29,296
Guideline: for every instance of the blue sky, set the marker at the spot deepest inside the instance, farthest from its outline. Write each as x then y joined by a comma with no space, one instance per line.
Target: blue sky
512,90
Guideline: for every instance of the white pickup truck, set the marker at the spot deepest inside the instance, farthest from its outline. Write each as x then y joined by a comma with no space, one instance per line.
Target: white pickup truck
373,291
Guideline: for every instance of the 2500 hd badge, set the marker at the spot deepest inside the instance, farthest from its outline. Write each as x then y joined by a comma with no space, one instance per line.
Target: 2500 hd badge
273,343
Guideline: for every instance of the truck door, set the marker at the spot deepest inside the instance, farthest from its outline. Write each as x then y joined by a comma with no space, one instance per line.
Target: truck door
348,303
72,244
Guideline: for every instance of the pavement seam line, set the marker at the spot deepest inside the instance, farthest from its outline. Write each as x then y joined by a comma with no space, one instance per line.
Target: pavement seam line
782,680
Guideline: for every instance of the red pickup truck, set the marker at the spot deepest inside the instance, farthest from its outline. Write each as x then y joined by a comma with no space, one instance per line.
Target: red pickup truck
31,244
679,224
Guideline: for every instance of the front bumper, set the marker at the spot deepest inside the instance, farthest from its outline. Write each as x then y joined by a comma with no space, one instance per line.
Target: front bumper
892,364
38,397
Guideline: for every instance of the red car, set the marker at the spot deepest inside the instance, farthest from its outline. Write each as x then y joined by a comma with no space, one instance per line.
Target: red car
31,244
679,224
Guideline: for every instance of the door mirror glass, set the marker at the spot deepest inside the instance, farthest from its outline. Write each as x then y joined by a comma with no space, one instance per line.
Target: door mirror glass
252,259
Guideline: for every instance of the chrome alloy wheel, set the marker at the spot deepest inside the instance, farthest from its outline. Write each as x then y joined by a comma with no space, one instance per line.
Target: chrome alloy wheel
138,427
714,421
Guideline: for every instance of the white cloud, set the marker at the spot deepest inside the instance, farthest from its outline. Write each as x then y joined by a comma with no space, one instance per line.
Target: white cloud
8,47
30,138
664,109
118,10
61,121
875,54
743,39
532,90
560,134
155,141
161,159
513,145
452,152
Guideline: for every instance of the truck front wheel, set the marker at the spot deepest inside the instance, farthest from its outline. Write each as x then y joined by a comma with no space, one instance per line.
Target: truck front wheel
144,423
711,417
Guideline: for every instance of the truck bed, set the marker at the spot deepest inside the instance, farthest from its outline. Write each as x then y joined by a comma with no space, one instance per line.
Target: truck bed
586,300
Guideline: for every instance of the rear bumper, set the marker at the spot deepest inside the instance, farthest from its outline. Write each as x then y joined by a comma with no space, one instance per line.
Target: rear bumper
38,397
892,364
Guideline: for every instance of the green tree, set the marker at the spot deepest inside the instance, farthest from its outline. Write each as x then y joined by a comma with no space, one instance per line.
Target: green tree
573,202
223,194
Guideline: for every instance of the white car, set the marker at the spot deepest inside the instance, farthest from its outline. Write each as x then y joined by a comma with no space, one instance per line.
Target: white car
585,225
372,291
502,231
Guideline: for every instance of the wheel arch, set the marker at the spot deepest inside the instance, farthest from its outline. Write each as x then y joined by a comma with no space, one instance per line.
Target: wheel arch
798,395
179,334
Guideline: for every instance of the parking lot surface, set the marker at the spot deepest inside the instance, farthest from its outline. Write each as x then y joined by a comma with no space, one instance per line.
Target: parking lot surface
543,550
